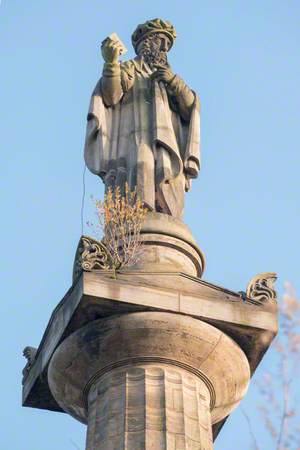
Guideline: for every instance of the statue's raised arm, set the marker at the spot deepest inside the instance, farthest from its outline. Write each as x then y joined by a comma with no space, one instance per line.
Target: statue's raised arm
144,123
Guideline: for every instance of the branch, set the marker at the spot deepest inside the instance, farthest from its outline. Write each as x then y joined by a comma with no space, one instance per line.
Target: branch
252,434
285,409
74,444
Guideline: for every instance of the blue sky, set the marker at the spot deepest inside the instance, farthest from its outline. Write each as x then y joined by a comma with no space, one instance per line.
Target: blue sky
243,60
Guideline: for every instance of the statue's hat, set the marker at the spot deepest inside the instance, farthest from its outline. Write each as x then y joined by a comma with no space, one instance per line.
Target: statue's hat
153,26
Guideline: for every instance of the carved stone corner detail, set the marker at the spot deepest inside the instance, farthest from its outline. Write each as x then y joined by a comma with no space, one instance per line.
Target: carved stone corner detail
261,287
90,255
29,353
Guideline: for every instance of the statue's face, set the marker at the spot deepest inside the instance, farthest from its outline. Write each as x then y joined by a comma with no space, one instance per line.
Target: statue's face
153,48
159,42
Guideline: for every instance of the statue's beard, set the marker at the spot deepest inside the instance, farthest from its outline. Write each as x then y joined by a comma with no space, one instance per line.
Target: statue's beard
154,58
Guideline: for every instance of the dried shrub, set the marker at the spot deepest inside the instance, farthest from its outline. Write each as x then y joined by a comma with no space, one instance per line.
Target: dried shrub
120,217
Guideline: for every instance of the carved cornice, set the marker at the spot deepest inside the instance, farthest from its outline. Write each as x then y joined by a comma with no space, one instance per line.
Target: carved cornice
90,255
261,287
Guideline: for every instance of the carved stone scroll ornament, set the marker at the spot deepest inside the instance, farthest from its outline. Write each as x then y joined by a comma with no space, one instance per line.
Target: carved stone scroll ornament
29,353
261,287
90,255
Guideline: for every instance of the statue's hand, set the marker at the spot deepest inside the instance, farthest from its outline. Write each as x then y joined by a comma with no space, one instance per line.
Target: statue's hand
111,51
164,74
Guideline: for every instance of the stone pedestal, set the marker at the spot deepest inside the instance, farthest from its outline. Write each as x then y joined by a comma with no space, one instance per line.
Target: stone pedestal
149,360
169,246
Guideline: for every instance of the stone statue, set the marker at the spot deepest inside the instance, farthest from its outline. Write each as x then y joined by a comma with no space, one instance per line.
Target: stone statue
144,122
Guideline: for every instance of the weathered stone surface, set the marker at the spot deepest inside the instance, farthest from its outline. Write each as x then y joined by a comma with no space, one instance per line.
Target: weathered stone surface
149,407
144,122
154,337
157,358
261,287
169,247
95,295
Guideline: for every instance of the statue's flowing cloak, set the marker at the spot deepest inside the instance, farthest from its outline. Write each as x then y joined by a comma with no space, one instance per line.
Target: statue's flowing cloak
142,141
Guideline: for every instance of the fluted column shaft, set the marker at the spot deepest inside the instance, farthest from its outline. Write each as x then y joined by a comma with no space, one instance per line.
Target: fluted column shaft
149,407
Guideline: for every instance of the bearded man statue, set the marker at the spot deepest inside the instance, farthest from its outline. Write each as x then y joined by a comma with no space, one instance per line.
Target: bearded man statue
143,123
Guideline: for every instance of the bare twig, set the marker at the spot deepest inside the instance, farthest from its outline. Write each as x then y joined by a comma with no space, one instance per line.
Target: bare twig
285,406
252,434
74,444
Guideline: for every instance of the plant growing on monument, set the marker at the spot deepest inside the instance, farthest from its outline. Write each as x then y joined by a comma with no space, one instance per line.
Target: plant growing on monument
120,217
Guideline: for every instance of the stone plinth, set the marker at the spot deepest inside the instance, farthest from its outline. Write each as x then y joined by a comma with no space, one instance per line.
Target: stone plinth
168,324
169,246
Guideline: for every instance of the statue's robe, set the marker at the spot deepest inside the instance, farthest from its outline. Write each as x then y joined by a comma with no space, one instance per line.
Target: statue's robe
146,136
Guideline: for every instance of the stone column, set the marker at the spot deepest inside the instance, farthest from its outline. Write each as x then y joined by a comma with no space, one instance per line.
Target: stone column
149,407
148,381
